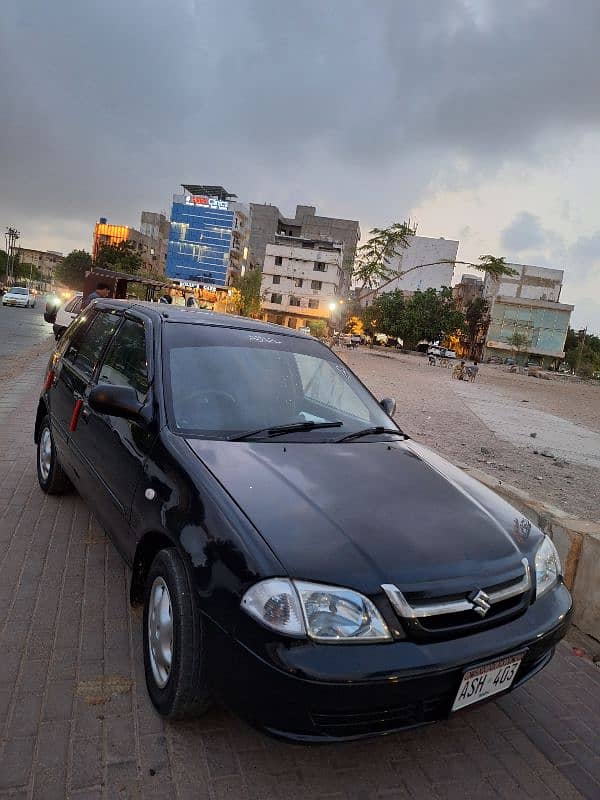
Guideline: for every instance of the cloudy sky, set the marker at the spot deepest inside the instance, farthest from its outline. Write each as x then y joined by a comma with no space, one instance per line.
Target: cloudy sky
476,118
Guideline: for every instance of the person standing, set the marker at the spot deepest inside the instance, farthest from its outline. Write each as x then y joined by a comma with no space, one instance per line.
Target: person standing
101,290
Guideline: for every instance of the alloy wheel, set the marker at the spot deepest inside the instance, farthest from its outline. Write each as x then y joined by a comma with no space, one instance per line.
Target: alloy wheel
160,632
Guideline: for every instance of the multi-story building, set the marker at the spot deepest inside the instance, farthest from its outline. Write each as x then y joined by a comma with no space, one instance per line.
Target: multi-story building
469,288
208,239
527,304
267,222
150,243
427,263
301,280
43,260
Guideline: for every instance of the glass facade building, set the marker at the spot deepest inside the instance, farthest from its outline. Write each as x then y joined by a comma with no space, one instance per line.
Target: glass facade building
200,239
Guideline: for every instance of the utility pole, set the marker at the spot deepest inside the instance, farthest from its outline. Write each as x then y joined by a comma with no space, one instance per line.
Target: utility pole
581,335
11,236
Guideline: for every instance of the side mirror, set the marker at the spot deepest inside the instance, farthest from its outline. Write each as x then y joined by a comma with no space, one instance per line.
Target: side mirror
116,401
51,312
389,406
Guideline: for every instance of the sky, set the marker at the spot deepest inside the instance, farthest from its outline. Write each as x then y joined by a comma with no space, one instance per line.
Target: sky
478,119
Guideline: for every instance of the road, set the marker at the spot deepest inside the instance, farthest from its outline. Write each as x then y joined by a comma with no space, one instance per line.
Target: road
22,329
76,722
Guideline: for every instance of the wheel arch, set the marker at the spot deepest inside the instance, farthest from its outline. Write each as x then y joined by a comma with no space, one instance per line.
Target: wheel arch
42,411
148,546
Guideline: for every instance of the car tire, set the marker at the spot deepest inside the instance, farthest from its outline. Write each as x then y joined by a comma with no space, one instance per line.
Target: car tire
174,665
51,476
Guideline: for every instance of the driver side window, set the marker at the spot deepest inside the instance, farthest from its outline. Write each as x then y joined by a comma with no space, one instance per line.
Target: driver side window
125,362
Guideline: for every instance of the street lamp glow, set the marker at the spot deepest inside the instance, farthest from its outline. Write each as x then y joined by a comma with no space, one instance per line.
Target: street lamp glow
332,306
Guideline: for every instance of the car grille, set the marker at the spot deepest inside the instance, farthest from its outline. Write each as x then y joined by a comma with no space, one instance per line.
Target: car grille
409,715
439,616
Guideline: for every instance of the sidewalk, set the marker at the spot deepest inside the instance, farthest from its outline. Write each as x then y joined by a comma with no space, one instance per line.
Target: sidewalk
75,720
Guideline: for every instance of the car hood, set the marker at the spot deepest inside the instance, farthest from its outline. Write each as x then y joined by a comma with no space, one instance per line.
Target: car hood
363,514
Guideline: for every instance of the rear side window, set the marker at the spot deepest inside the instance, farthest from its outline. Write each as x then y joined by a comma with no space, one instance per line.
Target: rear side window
125,361
86,348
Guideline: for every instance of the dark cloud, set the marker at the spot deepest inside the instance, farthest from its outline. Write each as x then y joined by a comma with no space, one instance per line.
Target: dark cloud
354,106
525,232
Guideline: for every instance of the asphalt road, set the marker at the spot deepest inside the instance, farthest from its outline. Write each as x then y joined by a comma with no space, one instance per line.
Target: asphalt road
22,328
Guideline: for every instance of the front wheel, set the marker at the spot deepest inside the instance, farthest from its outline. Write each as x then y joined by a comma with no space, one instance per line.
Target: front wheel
51,476
174,661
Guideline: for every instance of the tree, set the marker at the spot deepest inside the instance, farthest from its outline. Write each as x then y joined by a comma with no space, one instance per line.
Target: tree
355,325
317,327
26,271
372,267
372,262
248,286
518,342
582,354
72,269
386,314
121,257
429,315
477,321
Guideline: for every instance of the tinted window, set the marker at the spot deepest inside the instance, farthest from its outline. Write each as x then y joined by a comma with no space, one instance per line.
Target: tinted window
74,305
86,348
19,290
221,381
125,362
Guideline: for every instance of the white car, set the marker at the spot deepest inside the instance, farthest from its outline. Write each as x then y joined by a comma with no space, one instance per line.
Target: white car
64,315
19,296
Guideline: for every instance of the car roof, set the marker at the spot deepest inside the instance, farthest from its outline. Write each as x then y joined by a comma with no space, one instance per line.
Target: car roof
168,313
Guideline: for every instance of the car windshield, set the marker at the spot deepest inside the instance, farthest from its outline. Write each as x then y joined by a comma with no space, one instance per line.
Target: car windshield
223,382
19,290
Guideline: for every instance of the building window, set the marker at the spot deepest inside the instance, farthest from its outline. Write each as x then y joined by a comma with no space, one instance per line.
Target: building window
278,261
276,298
313,303
276,278
320,267
298,283
294,301
316,284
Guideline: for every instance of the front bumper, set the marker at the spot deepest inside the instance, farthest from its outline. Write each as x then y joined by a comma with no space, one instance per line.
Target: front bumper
18,303
311,692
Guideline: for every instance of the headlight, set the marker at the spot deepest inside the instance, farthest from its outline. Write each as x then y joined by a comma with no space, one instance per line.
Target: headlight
324,613
547,567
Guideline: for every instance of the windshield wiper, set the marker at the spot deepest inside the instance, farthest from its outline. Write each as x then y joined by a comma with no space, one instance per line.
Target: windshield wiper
379,429
278,430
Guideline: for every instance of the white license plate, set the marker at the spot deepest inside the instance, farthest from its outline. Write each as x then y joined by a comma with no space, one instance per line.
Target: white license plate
487,680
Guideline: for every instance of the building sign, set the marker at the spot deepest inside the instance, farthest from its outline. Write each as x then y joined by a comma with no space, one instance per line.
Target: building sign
211,202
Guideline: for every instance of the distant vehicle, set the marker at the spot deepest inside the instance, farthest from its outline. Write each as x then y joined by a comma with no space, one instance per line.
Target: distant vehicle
564,368
440,352
61,316
449,353
20,296
304,330
355,339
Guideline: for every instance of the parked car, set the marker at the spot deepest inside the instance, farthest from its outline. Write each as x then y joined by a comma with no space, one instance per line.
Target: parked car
62,315
20,296
298,557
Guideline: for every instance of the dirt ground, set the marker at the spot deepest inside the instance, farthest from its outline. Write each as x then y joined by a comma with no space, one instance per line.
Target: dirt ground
489,424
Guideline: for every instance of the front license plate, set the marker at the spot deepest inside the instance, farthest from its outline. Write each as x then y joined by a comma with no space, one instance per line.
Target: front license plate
486,680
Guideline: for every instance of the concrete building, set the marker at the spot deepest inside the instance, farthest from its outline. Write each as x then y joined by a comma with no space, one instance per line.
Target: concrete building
151,249
440,254
528,304
267,222
209,237
43,260
301,278
469,288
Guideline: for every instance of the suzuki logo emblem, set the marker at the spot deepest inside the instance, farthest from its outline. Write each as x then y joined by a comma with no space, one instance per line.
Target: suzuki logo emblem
481,604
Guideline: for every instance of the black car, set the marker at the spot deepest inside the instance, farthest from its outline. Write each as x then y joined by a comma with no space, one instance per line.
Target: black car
299,558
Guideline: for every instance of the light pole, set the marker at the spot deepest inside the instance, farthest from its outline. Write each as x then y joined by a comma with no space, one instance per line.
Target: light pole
11,236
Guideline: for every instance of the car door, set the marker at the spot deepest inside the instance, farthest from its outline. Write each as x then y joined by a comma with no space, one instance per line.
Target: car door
117,448
78,357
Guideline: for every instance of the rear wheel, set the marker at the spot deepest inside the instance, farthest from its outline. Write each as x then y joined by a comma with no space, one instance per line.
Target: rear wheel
51,476
173,643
